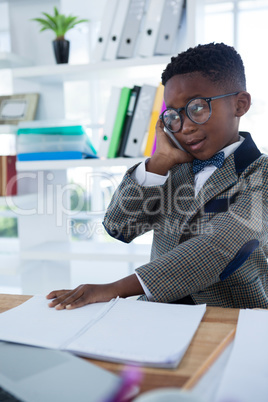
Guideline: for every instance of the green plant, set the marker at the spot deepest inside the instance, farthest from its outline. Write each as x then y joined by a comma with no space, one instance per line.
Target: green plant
58,23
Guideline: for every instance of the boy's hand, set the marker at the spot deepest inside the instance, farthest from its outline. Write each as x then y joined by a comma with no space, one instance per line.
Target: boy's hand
80,296
166,154
86,294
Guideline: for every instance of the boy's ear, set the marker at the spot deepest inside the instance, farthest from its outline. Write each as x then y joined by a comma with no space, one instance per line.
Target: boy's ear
243,103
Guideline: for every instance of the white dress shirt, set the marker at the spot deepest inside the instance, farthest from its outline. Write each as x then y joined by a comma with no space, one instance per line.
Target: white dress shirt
144,178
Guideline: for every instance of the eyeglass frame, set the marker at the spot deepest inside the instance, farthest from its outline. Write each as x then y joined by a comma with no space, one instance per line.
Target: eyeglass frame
179,110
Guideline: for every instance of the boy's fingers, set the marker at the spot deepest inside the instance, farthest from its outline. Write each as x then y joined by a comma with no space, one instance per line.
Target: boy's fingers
59,298
56,293
64,298
77,303
70,299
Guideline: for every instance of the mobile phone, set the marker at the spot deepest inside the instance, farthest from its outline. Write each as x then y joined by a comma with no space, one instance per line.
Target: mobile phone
173,139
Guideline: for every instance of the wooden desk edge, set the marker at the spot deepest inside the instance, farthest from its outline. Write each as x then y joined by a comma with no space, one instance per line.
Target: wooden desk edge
210,360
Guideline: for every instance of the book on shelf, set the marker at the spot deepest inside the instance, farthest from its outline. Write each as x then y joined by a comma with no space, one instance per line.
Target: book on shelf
157,106
119,122
135,91
104,331
109,123
140,121
8,175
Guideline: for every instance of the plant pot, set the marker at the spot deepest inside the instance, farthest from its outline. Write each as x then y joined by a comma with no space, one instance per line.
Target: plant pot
61,50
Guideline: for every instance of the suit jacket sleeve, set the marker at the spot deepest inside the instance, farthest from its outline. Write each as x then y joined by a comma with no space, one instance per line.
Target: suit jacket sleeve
132,209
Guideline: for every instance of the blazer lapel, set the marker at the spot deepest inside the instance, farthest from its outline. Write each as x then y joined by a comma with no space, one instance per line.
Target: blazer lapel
218,182
183,191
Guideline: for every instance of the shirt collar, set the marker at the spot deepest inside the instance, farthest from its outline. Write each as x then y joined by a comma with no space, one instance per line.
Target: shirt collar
231,148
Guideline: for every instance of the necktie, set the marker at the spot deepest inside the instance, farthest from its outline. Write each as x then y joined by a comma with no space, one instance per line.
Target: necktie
216,160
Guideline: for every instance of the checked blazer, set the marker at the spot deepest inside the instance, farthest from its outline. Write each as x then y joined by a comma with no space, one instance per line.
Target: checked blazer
212,247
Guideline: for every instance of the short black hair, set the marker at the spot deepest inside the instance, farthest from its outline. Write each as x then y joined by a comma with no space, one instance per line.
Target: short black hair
216,61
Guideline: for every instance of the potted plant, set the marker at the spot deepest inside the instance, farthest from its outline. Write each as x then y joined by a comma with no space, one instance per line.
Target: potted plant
60,24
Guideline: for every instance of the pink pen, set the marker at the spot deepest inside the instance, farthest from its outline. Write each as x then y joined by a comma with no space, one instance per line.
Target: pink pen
131,377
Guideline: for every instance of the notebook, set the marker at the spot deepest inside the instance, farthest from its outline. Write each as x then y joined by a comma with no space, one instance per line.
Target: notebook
105,331
35,374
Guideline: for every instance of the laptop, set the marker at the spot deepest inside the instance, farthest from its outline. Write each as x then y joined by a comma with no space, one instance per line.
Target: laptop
34,374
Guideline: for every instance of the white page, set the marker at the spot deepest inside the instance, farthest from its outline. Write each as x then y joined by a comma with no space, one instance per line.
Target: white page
135,331
122,330
34,323
245,377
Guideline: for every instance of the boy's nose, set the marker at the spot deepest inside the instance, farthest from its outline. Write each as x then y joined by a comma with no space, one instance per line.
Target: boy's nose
188,126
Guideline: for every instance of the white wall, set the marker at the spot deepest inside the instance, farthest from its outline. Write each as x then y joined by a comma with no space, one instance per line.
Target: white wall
26,40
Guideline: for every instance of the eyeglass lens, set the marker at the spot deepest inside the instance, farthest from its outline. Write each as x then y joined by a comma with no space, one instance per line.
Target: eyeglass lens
197,110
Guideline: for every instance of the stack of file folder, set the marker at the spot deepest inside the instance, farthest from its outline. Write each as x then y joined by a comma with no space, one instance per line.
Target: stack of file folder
134,28
131,117
40,140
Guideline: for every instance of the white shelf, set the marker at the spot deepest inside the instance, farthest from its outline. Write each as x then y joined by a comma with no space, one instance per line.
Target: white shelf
92,251
11,60
19,201
103,70
73,163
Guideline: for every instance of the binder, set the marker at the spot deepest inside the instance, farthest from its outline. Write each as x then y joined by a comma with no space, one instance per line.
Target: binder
110,116
119,122
106,24
158,103
149,32
140,121
132,25
161,111
154,146
8,175
129,118
116,30
169,25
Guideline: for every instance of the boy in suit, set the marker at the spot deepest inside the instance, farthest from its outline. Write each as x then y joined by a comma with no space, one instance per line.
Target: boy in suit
207,203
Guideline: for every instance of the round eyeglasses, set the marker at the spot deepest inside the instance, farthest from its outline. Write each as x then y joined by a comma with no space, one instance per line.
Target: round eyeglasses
198,110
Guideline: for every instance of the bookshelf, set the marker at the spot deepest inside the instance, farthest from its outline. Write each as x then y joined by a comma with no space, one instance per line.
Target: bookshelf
84,163
59,73
43,218
84,251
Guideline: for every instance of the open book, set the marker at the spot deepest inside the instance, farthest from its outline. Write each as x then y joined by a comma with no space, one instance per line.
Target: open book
122,330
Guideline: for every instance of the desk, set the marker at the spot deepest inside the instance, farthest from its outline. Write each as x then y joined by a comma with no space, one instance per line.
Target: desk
216,325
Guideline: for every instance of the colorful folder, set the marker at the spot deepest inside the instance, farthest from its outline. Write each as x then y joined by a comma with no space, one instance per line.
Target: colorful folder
129,118
119,122
158,104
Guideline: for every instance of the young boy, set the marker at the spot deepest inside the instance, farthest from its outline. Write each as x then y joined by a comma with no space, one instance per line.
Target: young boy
209,216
